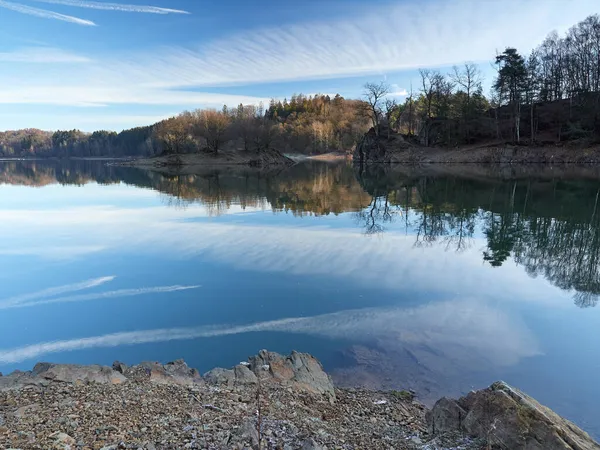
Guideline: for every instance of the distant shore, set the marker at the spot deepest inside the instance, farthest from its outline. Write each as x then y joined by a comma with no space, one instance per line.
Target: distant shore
270,401
229,158
397,150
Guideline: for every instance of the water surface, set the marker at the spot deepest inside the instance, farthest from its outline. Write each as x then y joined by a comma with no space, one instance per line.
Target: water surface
436,280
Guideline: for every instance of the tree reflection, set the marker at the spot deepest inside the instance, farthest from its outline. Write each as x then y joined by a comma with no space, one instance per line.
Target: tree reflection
551,227
548,225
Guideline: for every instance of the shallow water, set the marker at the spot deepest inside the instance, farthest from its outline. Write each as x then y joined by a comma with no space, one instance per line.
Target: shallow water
437,280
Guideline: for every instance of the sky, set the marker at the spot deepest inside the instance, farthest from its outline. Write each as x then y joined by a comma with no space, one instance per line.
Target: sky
108,65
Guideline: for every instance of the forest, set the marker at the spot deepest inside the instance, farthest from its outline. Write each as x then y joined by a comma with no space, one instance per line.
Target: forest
548,96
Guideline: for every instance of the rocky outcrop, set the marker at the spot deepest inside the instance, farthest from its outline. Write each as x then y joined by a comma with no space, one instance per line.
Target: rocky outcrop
176,372
370,149
506,418
173,403
374,148
300,371
45,373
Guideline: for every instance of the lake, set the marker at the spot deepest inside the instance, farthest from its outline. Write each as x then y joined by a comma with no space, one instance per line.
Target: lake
440,279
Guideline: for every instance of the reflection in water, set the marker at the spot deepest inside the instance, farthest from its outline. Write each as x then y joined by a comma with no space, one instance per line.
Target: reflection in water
550,225
403,278
445,340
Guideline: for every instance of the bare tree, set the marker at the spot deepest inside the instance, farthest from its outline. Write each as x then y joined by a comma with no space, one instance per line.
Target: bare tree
429,83
374,93
469,79
391,106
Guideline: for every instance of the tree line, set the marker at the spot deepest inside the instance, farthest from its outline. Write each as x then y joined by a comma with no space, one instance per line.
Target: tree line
305,124
552,94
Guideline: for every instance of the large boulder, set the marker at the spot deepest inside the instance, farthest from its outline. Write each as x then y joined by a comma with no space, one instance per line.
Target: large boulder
299,371
505,417
71,373
45,373
176,372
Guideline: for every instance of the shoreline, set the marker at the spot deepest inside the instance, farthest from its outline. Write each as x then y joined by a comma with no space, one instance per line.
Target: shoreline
268,401
265,159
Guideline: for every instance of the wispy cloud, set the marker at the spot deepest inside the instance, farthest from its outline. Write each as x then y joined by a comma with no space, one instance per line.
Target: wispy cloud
397,91
43,13
59,290
114,6
99,296
406,37
453,328
41,55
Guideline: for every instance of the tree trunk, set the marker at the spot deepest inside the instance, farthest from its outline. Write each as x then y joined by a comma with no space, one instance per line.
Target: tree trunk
532,138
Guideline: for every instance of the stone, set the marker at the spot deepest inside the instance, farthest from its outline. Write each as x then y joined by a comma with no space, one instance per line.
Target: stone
310,444
19,380
119,367
446,415
243,375
62,441
25,411
219,377
71,373
505,417
249,432
176,372
300,370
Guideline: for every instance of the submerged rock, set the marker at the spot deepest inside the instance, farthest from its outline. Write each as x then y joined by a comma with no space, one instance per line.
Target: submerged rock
505,417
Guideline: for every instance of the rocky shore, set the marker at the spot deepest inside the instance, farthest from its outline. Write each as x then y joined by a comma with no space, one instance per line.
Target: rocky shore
187,162
267,402
397,150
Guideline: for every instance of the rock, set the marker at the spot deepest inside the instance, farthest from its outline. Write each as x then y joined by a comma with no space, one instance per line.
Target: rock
70,373
506,417
18,380
249,432
300,370
220,376
176,372
447,415
25,411
119,367
243,375
62,441
310,444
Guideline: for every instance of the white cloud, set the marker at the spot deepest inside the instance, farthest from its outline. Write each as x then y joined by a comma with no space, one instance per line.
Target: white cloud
43,13
465,329
41,55
114,6
98,296
397,91
404,37
105,94
343,253
83,285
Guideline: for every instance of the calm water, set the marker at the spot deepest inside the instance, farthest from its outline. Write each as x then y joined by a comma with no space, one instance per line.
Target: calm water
395,279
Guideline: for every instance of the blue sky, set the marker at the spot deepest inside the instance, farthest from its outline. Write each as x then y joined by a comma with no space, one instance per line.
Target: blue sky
107,65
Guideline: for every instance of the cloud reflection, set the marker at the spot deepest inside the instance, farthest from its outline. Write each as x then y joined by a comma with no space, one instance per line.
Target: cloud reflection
463,329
